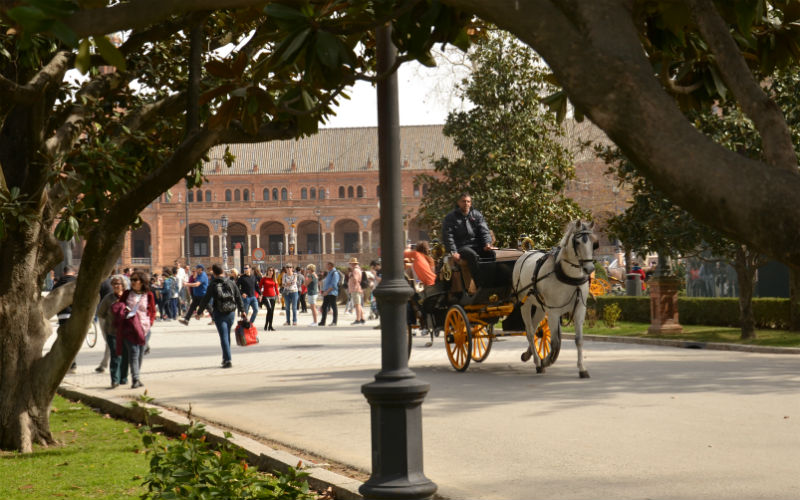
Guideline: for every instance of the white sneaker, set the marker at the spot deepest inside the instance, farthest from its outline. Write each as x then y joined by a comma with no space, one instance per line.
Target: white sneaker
312,324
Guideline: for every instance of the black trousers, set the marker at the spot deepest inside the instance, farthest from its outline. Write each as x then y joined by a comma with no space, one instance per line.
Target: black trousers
196,302
329,301
471,256
269,302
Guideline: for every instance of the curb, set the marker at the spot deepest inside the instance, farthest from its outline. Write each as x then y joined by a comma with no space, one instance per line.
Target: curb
265,458
686,344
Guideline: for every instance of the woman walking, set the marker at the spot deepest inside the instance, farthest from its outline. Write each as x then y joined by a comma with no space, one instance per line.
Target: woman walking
312,290
138,300
118,365
290,293
269,293
227,300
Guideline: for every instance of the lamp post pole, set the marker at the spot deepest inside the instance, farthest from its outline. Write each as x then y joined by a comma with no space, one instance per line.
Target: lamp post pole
225,242
186,215
317,212
395,397
280,252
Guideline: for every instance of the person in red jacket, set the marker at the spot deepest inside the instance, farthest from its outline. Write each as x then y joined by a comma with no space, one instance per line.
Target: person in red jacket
636,269
138,300
269,293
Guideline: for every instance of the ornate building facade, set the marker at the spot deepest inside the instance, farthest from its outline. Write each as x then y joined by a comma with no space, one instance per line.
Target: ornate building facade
314,200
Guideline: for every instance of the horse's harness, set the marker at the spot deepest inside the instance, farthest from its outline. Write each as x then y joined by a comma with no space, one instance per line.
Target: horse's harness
559,273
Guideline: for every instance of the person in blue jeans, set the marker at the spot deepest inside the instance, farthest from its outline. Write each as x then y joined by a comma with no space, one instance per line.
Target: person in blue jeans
291,288
247,286
227,300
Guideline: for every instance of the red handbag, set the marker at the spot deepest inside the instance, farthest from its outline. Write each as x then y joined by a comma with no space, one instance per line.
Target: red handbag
246,333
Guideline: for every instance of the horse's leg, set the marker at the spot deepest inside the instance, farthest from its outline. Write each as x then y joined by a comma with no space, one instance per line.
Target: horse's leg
525,312
580,314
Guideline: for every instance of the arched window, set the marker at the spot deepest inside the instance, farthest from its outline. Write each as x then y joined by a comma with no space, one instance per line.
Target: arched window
313,193
228,195
190,196
265,194
208,196
274,194
341,191
304,194
199,196
321,193
416,190
359,192
424,190
246,195
284,194
350,191
237,195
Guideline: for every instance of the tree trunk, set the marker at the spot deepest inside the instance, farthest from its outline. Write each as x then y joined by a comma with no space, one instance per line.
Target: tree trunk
746,262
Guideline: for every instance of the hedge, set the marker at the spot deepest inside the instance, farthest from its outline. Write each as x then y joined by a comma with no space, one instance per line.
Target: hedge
768,312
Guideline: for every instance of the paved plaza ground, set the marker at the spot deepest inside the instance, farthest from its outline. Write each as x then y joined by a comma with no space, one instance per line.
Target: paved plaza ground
652,422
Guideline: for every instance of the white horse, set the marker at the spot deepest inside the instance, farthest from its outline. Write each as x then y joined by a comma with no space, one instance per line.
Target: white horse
557,282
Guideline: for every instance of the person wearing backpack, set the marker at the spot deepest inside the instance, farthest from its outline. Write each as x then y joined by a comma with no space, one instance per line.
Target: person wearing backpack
354,287
227,300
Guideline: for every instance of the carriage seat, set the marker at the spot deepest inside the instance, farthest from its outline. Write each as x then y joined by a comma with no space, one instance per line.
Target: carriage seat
507,254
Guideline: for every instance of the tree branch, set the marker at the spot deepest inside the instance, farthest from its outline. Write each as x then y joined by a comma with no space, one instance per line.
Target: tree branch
767,117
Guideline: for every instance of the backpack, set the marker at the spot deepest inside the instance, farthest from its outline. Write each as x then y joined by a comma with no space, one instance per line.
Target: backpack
223,297
364,280
174,288
168,285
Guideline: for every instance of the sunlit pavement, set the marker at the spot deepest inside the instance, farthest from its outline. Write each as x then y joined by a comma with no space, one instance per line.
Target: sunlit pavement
652,422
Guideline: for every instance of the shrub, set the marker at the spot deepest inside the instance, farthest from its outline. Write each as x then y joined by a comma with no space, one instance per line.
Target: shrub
591,318
611,314
192,468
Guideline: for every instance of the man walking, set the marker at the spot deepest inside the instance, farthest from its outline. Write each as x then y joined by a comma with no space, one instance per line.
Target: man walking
330,291
355,290
247,286
198,287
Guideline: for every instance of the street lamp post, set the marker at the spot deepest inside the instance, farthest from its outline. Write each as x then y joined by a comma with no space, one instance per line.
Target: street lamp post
280,252
225,242
186,215
317,212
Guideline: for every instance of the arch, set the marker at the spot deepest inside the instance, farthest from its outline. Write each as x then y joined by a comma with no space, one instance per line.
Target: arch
271,233
308,237
237,233
313,193
199,241
359,192
228,195
274,194
303,193
208,196
341,191
246,195
284,194
237,195
345,236
141,243
190,196
198,197
349,191
265,194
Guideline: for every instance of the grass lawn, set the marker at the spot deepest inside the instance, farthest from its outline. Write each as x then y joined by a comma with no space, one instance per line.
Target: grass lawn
98,457
697,333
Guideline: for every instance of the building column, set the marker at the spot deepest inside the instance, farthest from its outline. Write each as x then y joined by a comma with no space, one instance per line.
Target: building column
360,241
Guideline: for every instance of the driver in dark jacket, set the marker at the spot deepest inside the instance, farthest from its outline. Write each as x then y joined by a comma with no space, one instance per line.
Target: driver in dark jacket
466,235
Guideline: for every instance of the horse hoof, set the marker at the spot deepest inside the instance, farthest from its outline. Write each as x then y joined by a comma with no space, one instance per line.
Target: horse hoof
525,356
584,374
540,369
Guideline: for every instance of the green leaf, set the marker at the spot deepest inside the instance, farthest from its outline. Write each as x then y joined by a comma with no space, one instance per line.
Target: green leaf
64,33
284,12
67,228
327,49
83,61
293,44
110,53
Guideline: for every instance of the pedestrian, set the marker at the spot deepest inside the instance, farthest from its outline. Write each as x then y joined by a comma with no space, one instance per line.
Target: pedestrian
106,289
247,287
355,290
198,284
312,291
422,263
330,290
301,279
227,300
118,363
138,300
269,293
290,295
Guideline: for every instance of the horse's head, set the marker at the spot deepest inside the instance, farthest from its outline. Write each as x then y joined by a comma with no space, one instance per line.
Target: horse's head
580,241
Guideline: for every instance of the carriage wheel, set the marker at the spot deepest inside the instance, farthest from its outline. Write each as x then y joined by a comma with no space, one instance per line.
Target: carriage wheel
542,341
599,286
458,338
482,340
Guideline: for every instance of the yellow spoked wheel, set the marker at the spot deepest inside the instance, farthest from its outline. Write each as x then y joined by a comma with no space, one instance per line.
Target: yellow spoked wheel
599,286
482,339
458,338
547,343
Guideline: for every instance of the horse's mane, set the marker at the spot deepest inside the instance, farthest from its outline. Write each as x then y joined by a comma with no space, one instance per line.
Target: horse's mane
567,233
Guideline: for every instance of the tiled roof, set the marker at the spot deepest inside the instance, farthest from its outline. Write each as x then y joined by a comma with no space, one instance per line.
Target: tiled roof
333,150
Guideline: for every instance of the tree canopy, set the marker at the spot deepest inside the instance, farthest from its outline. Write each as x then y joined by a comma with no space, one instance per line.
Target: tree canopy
513,162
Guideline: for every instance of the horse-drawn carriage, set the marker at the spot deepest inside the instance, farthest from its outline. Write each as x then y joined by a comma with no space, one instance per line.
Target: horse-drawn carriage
509,296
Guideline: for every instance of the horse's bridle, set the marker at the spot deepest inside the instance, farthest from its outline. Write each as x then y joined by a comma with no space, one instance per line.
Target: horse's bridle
584,235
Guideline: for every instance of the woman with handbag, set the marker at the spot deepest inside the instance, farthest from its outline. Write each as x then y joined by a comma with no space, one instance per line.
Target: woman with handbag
290,293
134,315
118,366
